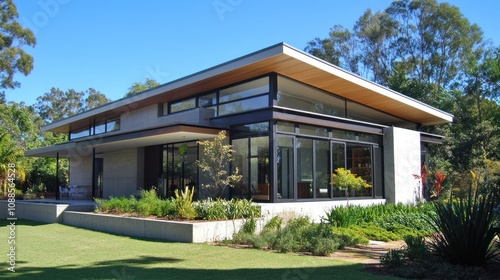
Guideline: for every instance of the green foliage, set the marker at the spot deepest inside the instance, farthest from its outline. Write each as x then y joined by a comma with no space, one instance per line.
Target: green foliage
12,56
374,232
221,209
399,220
274,224
416,247
249,226
149,204
465,229
344,179
184,203
394,258
137,87
215,162
299,235
349,237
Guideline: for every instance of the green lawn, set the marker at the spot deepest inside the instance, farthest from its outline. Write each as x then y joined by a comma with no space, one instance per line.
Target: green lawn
55,251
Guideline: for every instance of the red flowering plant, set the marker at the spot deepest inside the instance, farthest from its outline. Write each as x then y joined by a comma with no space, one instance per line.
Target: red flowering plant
440,177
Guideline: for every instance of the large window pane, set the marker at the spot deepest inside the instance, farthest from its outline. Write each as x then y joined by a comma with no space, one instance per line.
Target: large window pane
240,147
243,105
285,166
359,161
99,128
304,168
295,95
338,161
259,167
286,127
183,105
113,125
313,130
79,133
208,100
179,162
255,87
360,112
322,168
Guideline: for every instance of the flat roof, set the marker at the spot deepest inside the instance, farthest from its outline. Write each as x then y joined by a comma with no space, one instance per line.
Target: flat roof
282,59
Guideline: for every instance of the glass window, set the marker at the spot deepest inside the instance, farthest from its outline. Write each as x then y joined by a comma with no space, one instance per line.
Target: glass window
183,105
243,105
165,109
363,137
79,133
359,161
322,168
299,96
360,112
255,87
342,134
304,168
240,155
313,130
338,161
99,128
113,125
285,166
180,168
208,100
259,166
286,127
257,127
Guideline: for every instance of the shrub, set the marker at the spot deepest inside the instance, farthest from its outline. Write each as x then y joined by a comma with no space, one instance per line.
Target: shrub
465,230
416,247
373,232
249,226
221,209
184,203
322,246
211,210
394,258
242,209
273,225
348,237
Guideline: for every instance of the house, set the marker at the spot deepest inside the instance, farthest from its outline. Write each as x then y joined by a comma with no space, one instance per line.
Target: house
292,119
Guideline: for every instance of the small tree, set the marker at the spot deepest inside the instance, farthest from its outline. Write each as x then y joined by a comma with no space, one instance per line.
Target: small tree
215,164
344,179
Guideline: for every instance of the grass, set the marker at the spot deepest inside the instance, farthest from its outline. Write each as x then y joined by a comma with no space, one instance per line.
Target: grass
55,251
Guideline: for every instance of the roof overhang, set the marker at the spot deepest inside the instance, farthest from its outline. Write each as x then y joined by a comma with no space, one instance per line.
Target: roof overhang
117,142
281,59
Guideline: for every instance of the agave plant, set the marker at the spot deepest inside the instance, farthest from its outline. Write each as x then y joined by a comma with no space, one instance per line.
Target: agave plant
466,229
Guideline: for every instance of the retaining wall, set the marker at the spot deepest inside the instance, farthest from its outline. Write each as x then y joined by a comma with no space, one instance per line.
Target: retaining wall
191,232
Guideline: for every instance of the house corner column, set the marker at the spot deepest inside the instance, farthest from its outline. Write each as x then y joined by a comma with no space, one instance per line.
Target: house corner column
401,163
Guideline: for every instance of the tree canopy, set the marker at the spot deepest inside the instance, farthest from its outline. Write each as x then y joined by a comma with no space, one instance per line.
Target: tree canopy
138,87
12,38
430,52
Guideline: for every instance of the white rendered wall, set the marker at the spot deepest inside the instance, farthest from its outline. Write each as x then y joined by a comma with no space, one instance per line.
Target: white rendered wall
123,172
401,162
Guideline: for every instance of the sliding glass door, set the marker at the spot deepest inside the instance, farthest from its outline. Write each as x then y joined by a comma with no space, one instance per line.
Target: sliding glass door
305,167
285,167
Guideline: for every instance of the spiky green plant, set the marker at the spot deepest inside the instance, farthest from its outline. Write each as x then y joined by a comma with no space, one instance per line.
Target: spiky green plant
184,202
465,229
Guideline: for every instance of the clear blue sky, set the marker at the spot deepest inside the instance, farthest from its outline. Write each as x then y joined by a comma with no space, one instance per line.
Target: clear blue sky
108,45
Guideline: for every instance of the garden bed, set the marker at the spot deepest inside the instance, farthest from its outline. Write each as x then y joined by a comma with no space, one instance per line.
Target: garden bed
176,231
